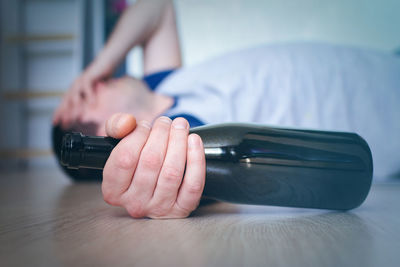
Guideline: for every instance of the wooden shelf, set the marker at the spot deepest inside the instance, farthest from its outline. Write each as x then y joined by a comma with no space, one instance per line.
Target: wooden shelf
25,94
39,38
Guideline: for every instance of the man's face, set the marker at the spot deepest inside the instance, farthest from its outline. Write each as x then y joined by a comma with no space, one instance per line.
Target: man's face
126,94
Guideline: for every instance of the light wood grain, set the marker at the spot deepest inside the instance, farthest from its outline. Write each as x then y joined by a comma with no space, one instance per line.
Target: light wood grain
45,220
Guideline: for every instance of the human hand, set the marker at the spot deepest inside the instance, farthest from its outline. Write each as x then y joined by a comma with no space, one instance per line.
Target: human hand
80,94
144,171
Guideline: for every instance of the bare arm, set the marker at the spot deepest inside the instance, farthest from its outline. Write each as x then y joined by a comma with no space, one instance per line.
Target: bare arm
162,49
149,23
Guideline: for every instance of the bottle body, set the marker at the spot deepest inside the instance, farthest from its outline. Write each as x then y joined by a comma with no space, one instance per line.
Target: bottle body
252,164
287,167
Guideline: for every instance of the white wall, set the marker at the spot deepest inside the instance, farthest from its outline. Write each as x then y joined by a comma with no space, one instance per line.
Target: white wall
212,27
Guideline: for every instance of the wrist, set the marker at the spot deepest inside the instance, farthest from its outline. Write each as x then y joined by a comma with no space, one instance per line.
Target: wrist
101,66
108,59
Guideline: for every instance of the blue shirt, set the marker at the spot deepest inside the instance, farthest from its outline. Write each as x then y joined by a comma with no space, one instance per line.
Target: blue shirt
154,79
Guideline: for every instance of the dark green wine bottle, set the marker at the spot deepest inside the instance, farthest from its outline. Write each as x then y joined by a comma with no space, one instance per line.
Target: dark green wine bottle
253,164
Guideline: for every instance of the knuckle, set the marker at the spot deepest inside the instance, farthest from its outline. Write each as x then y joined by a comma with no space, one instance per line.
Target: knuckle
159,212
141,181
151,159
110,198
109,195
125,159
135,209
183,211
169,213
194,188
172,175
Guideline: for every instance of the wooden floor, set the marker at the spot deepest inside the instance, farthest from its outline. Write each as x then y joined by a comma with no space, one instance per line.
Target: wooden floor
45,220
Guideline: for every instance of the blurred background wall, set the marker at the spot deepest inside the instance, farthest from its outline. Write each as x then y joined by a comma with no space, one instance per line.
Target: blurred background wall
46,43
212,27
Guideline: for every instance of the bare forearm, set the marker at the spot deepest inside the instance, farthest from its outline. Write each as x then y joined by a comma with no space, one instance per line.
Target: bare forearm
135,26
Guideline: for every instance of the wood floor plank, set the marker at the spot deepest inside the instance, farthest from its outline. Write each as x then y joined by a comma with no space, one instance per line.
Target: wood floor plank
45,220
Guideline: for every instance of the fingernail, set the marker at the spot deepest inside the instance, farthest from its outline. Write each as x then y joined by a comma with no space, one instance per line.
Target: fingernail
180,123
116,121
165,119
145,124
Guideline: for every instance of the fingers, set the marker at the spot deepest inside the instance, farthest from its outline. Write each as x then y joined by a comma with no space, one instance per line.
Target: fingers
73,103
68,110
144,172
65,112
148,169
121,165
193,183
172,170
87,91
120,125
80,96
58,114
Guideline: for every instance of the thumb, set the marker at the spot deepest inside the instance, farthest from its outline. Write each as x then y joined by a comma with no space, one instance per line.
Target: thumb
120,125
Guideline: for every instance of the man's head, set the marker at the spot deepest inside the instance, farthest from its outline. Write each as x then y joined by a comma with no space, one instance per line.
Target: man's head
123,95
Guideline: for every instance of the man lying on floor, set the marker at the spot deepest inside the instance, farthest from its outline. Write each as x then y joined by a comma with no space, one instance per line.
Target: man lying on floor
315,86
